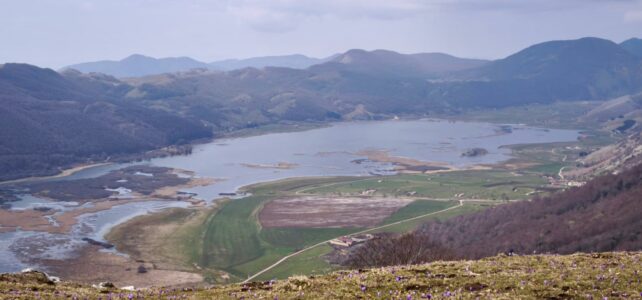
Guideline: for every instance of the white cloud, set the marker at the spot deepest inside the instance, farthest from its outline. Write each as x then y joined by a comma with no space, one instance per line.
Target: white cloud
633,16
285,15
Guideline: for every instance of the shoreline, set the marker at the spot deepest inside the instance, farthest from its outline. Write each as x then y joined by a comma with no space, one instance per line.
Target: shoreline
240,133
62,174
56,221
273,129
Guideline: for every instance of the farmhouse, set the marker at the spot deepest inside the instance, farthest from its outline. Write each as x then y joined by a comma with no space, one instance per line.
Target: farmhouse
348,241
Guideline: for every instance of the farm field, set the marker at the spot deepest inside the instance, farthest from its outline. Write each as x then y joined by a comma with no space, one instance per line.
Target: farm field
474,184
228,243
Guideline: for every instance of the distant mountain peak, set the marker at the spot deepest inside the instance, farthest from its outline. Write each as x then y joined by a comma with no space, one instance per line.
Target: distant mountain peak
137,65
293,61
577,60
633,46
137,56
391,63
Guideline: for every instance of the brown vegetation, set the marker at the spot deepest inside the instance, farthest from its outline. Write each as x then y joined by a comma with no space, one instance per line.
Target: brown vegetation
603,215
408,249
315,211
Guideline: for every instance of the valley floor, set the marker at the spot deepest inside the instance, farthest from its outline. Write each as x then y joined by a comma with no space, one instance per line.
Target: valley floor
247,238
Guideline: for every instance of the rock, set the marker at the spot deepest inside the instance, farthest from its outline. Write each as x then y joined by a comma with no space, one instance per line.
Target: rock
128,288
104,285
142,269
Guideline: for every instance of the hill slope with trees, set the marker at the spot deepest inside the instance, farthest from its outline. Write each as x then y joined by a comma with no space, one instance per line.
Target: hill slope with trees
602,215
50,121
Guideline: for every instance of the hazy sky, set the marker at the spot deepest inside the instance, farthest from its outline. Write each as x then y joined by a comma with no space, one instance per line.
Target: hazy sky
54,33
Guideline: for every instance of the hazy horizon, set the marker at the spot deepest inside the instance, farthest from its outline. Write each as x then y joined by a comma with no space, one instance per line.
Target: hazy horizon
59,33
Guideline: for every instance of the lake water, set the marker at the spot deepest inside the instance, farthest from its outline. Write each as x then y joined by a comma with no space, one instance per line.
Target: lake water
331,151
325,151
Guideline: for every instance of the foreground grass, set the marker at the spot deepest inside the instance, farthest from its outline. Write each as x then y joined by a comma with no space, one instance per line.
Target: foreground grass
585,276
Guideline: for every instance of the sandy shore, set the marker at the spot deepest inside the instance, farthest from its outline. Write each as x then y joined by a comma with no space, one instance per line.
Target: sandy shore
384,156
171,192
31,220
408,165
280,165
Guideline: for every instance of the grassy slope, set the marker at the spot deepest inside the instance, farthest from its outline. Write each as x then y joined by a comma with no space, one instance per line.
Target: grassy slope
235,242
232,240
486,184
235,226
578,276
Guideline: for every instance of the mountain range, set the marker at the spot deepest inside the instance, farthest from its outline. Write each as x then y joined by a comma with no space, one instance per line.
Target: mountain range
633,46
138,65
294,61
69,117
389,62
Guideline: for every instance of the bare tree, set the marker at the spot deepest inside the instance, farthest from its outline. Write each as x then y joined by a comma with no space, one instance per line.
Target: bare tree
398,250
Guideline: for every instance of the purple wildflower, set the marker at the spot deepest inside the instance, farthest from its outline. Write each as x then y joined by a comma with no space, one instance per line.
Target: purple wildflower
363,288
408,297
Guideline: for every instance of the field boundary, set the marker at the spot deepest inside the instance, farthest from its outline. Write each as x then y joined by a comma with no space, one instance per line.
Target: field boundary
461,203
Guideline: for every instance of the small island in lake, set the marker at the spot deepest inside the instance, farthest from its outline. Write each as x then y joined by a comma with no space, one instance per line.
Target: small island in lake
474,152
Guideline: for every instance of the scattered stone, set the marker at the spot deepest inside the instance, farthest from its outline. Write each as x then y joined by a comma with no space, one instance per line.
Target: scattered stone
142,269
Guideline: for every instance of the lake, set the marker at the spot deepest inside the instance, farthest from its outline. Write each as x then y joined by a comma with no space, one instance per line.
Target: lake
328,151
332,150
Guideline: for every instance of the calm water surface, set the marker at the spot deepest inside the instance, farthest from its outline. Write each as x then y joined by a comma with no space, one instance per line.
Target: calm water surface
332,150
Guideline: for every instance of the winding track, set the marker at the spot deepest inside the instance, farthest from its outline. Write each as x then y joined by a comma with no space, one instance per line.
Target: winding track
461,203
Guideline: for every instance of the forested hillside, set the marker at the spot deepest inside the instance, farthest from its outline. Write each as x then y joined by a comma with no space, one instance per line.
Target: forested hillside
603,215
49,121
